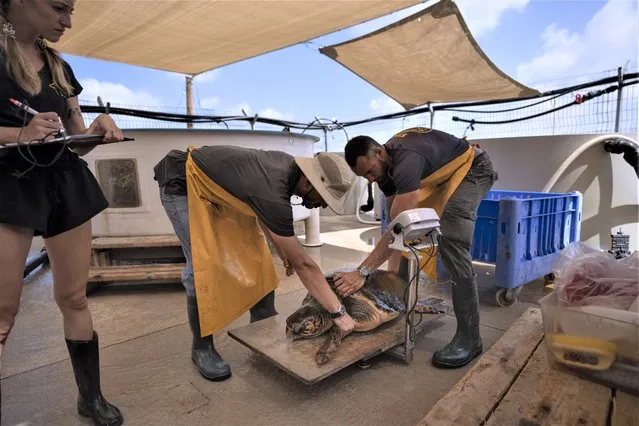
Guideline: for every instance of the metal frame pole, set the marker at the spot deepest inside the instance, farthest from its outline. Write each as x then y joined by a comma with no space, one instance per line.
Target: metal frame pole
189,99
619,91
409,345
432,115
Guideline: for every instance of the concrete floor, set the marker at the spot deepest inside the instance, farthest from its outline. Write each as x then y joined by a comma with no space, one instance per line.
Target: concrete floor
147,371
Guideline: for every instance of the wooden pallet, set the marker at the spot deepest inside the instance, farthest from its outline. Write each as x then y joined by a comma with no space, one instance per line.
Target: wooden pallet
155,273
297,358
513,384
104,269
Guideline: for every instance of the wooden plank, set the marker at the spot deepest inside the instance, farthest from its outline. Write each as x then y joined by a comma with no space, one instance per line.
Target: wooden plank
101,243
155,272
625,410
508,412
473,398
297,358
565,399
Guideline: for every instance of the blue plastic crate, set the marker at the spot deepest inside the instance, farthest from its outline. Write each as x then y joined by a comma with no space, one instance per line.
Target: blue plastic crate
385,213
522,233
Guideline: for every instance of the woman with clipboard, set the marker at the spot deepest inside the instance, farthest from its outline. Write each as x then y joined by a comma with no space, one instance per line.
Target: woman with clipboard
47,189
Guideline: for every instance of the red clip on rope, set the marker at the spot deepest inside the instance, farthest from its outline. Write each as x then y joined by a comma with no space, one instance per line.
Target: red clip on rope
579,99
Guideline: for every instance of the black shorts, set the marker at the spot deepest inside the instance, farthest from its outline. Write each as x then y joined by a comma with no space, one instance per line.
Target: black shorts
50,201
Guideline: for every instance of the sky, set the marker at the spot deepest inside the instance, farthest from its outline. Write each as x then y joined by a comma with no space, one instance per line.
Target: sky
541,43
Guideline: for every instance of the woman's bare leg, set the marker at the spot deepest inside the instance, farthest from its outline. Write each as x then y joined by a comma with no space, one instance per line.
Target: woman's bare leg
14,249
70,256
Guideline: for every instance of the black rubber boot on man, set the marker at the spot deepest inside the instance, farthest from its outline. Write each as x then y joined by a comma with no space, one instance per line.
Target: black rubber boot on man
85,359
467,344
208,362
265,308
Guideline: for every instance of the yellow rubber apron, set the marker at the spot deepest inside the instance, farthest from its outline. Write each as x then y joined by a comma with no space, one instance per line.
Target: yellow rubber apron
232,264
434,192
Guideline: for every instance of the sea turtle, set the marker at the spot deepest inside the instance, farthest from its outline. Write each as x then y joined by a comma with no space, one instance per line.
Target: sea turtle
380,300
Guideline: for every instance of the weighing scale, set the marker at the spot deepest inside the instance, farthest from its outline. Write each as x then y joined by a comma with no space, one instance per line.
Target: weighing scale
412,231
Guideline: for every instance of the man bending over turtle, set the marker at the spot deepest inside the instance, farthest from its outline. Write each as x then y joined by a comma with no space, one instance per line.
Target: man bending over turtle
422,167
222,201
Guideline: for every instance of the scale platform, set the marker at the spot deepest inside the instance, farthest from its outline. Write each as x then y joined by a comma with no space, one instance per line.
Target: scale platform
297,358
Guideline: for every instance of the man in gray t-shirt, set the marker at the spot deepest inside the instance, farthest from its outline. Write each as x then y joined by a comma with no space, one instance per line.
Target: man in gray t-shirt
398,167
266,181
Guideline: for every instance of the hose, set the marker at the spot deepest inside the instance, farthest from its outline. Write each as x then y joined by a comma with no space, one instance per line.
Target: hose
357,208
370,202
40,259
629,150
594,141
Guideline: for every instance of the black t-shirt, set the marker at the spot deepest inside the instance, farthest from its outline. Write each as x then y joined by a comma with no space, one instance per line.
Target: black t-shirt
50,99
415,154
265,180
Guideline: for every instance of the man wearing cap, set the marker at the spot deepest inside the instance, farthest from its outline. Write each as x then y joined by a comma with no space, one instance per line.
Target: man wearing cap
213,196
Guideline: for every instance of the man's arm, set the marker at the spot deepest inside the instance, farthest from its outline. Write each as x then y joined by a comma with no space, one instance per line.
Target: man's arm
308,271
348,282
382,252
269,235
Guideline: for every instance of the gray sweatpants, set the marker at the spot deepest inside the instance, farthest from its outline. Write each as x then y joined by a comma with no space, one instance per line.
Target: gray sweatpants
457,223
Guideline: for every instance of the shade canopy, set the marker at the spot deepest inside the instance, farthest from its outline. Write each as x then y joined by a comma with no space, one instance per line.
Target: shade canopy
430,56
194,36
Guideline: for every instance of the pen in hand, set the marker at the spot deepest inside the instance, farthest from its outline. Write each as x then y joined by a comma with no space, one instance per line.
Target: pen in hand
32,111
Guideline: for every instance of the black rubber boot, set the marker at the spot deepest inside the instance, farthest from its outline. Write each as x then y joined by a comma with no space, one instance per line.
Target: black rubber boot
85,359
467,344
208,362
265,308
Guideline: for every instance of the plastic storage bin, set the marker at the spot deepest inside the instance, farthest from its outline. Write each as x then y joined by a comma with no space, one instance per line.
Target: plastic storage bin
522,233
596,343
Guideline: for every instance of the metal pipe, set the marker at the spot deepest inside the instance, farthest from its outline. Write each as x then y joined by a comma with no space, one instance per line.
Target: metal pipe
409,345
619,91
40,259
189,99
432,115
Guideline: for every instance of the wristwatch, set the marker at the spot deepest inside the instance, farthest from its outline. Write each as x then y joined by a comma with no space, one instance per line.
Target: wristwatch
363,271
340,312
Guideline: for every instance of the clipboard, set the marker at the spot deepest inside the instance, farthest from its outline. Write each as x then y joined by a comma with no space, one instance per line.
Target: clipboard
73,141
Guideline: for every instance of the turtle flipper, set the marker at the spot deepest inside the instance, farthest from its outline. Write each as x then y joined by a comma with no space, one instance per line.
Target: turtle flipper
328,349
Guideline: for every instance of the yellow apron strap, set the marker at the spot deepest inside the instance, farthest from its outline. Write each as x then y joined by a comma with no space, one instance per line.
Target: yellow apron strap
232,264
435,191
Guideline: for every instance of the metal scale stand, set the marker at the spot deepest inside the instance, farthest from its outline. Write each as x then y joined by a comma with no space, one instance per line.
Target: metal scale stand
417,229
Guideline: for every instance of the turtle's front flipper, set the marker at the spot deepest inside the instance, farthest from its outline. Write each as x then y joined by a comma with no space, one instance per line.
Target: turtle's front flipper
328,349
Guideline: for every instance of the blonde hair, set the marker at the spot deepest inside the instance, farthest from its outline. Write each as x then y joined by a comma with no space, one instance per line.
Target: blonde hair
24,74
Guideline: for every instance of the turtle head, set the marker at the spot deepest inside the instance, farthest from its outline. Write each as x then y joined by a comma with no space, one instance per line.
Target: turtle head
307,322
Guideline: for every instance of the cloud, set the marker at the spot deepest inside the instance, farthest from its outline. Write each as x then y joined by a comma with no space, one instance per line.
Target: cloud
210,102
607,41
116,94
384,105
275,114
239,109
484,16
480,16
266,112
208,77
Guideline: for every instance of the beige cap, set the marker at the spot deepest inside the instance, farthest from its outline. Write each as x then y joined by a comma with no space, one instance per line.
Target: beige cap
330,175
